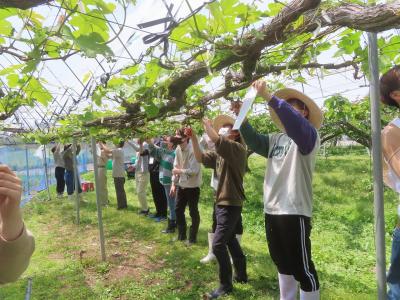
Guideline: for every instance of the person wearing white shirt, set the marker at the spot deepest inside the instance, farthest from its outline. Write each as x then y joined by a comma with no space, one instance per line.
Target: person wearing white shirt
118,174
59,171
142,175
186,182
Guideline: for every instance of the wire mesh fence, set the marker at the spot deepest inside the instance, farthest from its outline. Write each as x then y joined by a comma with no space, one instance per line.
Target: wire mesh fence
31,162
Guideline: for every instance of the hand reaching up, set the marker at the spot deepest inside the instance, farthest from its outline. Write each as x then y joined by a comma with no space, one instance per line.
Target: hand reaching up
10,198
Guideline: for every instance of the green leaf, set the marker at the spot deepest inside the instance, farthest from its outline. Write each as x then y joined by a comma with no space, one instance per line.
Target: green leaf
93,44
12,80
274,8
52,48
115,82
30,66
97,97
106,8
216,12
131,70
95,23
152,72
35,90
10,69
151,109
5,28
87,76
93,131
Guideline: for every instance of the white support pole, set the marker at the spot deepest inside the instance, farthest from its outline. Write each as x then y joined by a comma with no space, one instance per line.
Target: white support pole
76,181
46,174
377,166
98,202
27,170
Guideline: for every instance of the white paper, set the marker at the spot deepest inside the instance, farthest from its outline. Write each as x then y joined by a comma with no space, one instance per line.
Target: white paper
247,102
98,150
151,160
396,122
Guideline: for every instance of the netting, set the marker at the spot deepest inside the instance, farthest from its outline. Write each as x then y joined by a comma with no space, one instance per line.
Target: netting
32,161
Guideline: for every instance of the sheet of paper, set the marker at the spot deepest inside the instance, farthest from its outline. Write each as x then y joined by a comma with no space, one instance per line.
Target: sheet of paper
247,102
396,122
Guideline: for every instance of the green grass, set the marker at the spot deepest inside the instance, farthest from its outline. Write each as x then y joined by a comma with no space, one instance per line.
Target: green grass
142,263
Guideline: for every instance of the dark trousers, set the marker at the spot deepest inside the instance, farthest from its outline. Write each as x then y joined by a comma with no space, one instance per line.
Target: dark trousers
289,244
160,201
238,228
69,181
60,173
119,183
188,196
227,219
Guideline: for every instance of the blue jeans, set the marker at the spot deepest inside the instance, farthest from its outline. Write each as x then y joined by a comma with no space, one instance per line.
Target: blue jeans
171,202
69,181
393,277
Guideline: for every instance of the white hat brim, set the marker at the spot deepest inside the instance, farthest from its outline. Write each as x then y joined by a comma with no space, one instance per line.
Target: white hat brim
222,120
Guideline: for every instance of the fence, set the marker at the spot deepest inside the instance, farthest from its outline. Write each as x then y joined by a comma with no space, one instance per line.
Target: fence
32,161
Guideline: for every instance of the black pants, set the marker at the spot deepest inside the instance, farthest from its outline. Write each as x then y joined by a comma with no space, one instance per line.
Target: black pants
119,183
188,196
289,244
160,201
238,228
227,219
60,173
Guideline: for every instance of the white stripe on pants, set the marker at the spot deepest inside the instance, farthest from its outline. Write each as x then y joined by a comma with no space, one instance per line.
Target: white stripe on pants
142,180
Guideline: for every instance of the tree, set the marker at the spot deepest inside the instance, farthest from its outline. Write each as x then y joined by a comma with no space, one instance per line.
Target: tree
342,117
22,4
223,39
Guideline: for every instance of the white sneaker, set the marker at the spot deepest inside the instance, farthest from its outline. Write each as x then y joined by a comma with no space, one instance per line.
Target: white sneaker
208,258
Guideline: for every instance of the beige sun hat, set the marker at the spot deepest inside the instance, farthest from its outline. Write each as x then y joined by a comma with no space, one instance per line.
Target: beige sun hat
315,113
222,120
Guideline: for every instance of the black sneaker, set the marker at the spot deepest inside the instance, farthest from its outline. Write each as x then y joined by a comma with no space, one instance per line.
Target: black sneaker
144,212
217,293
153,216
240,280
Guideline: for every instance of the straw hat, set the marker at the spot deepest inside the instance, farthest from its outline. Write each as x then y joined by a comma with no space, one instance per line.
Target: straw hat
315,114
222,120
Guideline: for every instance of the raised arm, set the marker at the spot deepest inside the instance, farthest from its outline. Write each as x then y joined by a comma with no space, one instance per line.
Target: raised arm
297,127
257,142
16,243
134,146
196,147
210,131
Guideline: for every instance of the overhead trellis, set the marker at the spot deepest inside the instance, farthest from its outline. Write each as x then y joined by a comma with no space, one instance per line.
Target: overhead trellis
192,44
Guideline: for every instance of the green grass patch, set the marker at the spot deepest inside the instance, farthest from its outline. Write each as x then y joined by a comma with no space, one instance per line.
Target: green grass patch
142,263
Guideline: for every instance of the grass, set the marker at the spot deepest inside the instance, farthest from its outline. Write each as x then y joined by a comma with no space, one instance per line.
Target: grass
142,263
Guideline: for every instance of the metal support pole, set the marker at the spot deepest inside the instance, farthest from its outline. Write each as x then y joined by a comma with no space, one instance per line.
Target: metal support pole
75,180
28,291
46,174
377,166
98,201
27,171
